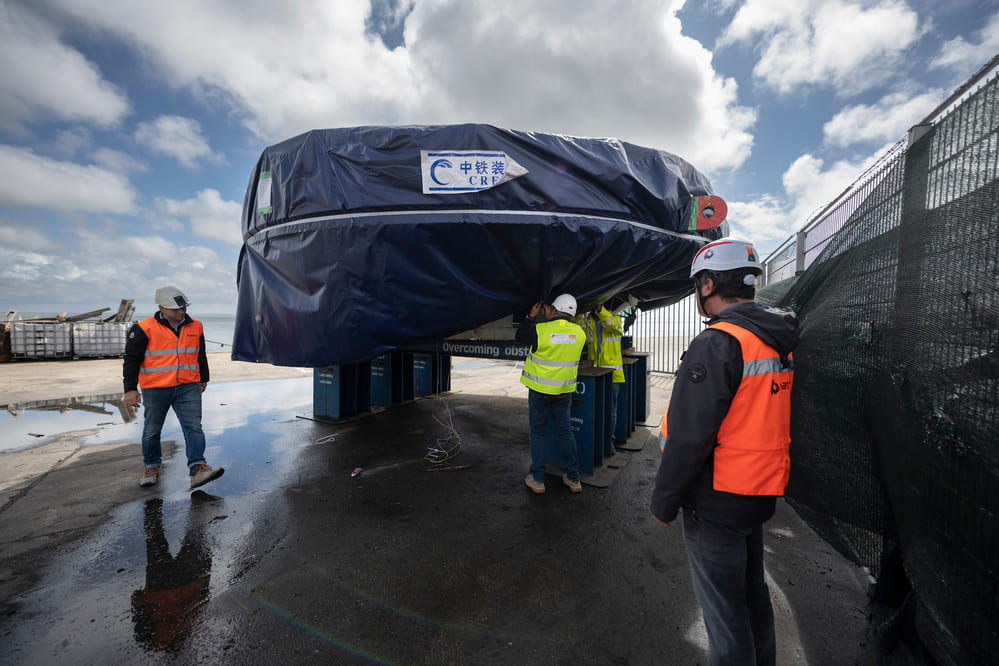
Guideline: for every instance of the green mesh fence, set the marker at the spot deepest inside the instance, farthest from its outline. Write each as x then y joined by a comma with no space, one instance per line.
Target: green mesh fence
895,422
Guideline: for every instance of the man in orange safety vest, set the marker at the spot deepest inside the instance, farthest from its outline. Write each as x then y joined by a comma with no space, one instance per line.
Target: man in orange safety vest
165,357
725,439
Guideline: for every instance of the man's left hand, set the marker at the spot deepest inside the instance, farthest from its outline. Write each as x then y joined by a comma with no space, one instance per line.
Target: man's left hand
204,385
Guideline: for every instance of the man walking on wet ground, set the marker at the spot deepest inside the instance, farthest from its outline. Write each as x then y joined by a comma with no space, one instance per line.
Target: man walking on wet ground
550,376
725,439
165,357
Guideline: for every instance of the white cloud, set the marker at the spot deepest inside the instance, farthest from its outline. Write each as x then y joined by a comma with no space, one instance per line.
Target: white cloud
22,238
21,266
97,269
519,64
810,186
824,42
154,248
49,76
963,56
761,221
209,215
655,88
69,142
117,161
887,119
179,138
41,182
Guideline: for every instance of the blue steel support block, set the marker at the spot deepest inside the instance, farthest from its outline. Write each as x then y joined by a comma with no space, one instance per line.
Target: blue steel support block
622,428
632,365
392,378
431,373
425,374
642,391
326,392
404,384
340,391
381,380
355,397
584,448
444,373
588,420
603,446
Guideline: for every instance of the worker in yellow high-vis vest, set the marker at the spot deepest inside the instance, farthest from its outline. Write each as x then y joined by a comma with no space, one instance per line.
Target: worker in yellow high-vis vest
550,376
603,347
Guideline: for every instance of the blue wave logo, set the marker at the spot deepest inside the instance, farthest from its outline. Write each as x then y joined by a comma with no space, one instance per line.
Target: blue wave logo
443,164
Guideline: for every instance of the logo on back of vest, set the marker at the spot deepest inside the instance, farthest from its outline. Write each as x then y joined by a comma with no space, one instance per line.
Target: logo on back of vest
563,338
776,388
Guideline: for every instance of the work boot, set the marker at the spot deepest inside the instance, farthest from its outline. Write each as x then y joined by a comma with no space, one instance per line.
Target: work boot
150,475
202,474
537,486
574,486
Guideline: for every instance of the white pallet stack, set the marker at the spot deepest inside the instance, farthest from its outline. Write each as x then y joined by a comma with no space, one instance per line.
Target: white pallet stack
41,339
92,339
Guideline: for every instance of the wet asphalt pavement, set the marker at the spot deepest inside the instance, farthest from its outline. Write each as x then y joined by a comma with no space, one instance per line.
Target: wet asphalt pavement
292,557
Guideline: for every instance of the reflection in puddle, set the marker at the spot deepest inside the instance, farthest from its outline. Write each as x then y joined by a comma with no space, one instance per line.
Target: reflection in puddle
104,419
168,608
121,581
96,404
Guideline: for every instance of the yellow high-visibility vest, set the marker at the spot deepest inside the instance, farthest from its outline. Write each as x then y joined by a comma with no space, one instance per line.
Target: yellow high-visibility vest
552,368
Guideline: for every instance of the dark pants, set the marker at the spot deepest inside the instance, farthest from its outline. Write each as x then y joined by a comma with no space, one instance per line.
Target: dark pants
615,391
185,400
541,406
726,567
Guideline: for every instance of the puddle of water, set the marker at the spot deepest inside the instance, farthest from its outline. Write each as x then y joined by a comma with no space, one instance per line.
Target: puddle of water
226,405
140,582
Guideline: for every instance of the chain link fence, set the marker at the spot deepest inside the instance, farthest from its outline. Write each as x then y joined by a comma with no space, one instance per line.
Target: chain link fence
895,416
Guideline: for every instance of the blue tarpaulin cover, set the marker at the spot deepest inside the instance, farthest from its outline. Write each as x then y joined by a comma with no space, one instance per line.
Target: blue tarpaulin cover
359,241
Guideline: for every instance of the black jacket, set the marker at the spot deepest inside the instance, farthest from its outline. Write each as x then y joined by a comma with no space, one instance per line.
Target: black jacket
708,377
135,352
527,332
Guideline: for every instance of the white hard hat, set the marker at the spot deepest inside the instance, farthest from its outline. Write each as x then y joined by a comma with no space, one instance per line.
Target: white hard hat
565,303
726,254
171,297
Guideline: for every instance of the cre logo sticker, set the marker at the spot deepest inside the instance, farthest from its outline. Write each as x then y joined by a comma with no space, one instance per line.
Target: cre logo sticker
697,373
458,171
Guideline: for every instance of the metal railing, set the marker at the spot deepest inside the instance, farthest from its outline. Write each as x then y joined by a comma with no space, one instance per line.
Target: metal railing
665,333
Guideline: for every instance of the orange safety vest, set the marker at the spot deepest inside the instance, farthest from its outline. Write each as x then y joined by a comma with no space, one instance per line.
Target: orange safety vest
752,455
170,360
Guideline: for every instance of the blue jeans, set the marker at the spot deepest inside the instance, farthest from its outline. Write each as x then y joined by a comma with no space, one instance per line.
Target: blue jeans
726,567
186,402
540,408
615,390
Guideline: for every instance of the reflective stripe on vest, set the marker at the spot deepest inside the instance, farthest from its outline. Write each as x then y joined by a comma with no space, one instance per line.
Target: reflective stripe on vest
553,367
170,360
752,455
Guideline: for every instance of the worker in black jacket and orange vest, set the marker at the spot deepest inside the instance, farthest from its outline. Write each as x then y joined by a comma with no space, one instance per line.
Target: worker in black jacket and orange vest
725,439
165,357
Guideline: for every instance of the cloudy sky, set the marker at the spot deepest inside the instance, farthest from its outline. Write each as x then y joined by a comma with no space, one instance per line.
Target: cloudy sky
128,130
